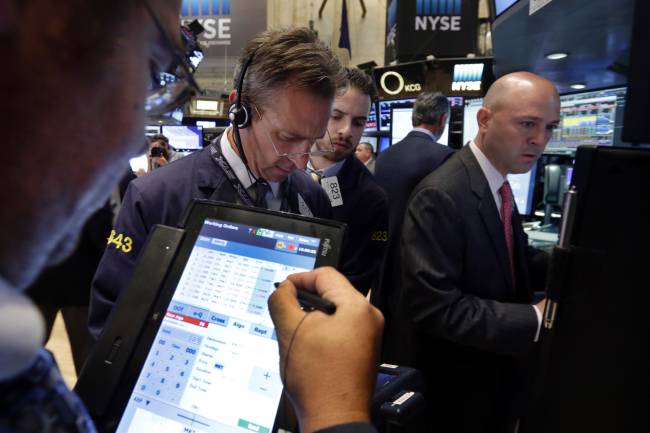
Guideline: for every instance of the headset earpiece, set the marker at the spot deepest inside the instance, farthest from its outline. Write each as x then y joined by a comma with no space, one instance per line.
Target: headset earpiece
239,115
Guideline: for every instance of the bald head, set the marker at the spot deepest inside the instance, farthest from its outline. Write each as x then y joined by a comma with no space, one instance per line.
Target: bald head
519,114
512,85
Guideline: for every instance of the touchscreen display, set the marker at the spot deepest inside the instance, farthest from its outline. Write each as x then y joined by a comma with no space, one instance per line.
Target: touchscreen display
214,365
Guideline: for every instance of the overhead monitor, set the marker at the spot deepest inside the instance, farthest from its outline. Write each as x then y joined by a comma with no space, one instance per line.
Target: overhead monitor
401,125
523,187
150,130
184,138
594,117
470,125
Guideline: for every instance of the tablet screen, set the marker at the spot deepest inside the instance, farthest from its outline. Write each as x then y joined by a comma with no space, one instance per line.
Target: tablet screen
214,365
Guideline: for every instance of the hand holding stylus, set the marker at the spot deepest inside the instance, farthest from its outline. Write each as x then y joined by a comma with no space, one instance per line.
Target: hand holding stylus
328,361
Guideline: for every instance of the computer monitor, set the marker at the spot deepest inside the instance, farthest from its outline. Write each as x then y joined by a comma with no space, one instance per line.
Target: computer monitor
384,143
206,123
470,125
594,117
184,138
523,187
371,123
150,130
401,125
384,111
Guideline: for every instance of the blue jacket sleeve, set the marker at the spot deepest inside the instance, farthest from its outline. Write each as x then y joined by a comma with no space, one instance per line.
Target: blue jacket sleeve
117,263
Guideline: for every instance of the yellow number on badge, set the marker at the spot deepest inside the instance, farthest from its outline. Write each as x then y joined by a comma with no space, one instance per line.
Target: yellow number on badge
121,242
381,236
128,244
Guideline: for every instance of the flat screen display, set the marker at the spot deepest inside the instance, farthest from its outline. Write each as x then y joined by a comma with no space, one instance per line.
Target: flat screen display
523,187
402,124
214,365
470,125
371,123
384,111
206,123
184,137
594,117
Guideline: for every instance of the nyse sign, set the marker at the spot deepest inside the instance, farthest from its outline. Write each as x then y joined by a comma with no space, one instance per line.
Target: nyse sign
214,16
438,15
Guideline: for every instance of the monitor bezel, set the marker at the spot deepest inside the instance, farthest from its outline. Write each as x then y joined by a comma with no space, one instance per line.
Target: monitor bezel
328,255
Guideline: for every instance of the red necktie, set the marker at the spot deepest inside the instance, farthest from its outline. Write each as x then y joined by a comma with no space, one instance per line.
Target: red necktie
506,219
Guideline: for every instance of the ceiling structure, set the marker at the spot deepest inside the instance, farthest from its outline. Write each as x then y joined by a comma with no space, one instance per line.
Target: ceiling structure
595,33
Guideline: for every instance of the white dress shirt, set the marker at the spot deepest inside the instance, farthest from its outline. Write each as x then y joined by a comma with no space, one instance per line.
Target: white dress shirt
273,197
495,181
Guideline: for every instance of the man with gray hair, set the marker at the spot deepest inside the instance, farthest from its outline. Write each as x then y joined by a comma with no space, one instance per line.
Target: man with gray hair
400,168
287,88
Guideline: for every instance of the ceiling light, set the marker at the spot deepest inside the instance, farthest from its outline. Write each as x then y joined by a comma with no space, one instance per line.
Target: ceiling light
578,86
556,56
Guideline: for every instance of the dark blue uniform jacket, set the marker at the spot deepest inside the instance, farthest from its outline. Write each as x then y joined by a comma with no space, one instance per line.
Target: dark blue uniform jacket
365,211
161,197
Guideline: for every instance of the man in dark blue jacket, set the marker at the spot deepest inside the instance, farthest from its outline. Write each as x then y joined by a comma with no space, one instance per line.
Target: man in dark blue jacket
355,196
287,91
400,168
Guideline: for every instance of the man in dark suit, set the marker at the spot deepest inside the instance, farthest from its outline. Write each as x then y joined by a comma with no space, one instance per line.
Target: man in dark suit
465,315
356,198
399,169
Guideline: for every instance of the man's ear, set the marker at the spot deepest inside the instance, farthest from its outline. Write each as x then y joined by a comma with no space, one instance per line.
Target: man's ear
231,98
483,117
8,16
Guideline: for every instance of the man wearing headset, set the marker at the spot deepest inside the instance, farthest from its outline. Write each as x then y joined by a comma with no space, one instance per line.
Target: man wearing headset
285,83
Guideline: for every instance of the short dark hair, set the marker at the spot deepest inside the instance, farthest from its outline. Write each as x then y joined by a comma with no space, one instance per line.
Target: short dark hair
357,78
293,58
367,145
158,137
429,107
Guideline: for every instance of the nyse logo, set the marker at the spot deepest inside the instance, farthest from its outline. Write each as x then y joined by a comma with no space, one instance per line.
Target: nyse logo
467,77
214,16
393,83
438,15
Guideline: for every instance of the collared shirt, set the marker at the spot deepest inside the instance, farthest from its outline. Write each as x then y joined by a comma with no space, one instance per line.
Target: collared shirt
332,170
426,131
273,197
495,181
494,178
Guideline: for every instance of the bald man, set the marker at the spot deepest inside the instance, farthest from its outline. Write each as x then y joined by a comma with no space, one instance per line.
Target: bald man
465,311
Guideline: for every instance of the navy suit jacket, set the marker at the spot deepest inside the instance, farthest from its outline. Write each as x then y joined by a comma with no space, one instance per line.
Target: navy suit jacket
161,197
398,170
459,317
365,211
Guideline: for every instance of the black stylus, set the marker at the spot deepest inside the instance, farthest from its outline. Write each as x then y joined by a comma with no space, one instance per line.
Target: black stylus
315,302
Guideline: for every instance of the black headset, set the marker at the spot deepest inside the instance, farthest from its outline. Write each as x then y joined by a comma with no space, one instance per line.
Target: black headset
239,113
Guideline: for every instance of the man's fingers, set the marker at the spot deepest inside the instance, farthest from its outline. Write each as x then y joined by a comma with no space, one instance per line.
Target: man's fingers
284,308
326,282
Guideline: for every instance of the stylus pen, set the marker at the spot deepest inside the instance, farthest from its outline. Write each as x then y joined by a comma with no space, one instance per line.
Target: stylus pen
309,300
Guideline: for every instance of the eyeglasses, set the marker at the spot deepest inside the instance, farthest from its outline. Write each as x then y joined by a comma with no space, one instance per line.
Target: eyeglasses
170,86
311,144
